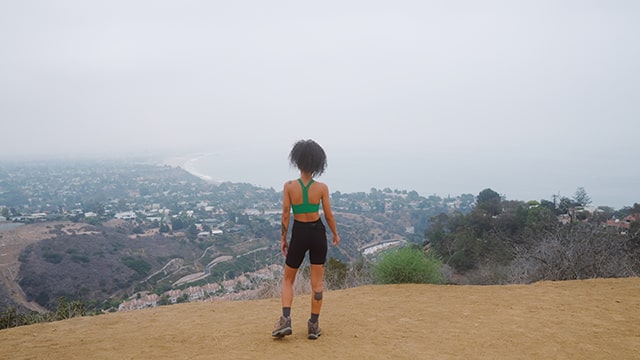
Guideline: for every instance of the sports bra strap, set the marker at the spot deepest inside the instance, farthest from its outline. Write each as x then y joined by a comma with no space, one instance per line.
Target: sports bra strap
305,207
305,191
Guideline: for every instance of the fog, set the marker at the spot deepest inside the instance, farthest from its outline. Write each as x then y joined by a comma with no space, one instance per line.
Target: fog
529,98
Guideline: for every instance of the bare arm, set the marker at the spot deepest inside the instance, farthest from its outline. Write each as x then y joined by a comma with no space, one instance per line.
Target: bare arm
286,216
328,215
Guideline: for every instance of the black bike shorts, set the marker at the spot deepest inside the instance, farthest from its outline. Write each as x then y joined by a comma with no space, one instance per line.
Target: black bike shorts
307,236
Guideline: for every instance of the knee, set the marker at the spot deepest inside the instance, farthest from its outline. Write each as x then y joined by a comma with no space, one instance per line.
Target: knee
317,295
288,280
289,275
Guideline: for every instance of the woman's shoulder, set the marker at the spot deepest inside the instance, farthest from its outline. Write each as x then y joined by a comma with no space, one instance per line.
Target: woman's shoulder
289,183
321,185
316,183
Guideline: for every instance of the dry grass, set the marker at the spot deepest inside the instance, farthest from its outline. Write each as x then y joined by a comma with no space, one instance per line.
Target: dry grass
588,319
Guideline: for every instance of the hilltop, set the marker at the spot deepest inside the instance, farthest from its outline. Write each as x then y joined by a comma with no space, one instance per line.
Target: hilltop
587,319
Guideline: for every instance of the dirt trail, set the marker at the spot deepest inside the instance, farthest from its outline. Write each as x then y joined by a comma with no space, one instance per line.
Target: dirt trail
590,319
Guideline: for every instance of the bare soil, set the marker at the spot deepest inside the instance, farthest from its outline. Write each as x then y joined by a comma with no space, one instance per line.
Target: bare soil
588,319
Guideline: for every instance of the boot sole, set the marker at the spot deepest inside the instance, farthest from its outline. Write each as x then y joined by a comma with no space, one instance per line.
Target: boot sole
282,332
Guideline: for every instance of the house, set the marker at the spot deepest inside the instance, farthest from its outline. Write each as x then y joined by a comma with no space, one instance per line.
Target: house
194,293
147,301
211,289
173,295
127,215
624,224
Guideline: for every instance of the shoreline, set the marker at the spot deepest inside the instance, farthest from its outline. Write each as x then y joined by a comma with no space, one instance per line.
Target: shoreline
226,161
187,163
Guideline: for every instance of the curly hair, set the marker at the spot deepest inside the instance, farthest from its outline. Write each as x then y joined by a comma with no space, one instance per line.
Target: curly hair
308,157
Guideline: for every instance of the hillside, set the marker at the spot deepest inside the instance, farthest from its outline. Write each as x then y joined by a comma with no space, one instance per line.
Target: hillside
43,261
589,319
92,263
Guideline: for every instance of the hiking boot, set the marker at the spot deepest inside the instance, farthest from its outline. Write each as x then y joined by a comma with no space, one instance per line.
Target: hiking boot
314,330
282,328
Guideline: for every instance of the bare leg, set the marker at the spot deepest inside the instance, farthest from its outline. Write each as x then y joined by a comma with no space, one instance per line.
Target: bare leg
317,273
283,326
287,286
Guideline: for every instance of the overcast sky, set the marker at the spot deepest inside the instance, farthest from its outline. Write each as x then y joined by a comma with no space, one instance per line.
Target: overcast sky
530,98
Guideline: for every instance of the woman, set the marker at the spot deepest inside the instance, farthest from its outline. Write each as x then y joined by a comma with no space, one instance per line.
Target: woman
304,197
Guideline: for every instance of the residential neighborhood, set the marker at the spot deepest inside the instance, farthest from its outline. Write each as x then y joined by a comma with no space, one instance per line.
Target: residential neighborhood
242,287
214,241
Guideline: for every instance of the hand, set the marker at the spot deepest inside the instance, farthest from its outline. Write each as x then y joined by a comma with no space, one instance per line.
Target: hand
336,240
284,247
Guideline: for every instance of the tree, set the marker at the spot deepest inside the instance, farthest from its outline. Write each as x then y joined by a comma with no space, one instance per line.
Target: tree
96,207
164,228
540,218
581,198
489,201
177,224
466,201
439,234
192,232
413,196
564,205
548,205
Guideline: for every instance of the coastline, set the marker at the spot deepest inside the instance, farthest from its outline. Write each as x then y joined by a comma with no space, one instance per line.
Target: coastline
222,165
227,165
188,164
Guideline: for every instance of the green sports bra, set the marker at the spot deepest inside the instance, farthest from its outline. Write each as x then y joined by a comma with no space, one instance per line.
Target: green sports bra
305,207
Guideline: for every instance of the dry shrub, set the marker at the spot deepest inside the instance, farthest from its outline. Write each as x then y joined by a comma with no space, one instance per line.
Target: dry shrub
577,251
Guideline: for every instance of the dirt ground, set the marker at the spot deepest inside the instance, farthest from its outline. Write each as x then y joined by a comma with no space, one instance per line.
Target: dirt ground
589,319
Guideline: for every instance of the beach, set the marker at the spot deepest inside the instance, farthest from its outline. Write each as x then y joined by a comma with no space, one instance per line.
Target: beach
189,164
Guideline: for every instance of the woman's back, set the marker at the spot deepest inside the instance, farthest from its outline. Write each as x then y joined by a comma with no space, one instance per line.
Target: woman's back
305,209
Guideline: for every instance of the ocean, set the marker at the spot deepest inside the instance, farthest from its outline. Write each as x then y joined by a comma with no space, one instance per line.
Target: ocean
346,172
440,174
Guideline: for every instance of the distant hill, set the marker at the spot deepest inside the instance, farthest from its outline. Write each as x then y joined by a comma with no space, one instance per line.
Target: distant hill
95,263
588,319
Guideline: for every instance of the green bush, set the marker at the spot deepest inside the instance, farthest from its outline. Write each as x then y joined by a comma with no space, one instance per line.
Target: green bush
137,264
408,265
53,258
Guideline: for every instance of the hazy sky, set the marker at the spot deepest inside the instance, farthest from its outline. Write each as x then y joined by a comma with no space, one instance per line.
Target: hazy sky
530,98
